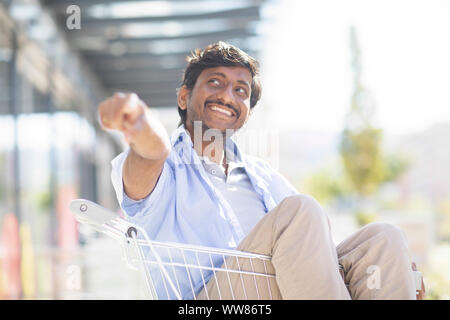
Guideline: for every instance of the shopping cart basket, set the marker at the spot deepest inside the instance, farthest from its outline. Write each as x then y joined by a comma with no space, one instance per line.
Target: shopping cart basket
181,271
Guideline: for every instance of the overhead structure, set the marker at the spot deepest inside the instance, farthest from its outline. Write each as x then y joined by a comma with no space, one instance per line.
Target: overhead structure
50,74
141,46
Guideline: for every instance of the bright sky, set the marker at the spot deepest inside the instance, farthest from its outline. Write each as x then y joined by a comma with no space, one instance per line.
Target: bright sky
405,52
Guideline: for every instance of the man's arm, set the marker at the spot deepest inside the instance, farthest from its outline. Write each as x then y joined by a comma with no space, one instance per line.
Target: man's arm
148,140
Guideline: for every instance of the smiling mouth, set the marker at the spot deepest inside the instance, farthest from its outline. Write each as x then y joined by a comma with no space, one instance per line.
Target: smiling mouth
224,110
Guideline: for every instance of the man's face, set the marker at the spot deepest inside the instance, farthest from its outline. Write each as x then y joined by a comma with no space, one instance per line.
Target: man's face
220,98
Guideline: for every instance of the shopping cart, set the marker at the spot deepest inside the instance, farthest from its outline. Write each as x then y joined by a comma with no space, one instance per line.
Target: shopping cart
180,271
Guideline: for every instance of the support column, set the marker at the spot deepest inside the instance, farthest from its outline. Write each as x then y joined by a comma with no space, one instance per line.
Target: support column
14,110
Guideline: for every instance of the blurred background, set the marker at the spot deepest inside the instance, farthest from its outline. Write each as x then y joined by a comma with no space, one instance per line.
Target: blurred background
355,111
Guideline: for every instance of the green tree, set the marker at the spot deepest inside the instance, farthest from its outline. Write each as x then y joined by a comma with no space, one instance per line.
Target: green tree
328,183
363,166
360,146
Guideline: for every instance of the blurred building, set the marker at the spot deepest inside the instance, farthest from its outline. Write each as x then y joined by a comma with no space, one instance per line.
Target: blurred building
58,60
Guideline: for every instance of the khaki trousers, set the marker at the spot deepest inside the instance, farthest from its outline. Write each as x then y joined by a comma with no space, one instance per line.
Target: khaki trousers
305,261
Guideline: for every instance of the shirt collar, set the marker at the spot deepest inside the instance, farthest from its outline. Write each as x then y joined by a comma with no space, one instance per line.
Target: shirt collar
182,144
180,134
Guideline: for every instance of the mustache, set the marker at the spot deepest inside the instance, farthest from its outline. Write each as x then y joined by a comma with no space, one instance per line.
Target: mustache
230,106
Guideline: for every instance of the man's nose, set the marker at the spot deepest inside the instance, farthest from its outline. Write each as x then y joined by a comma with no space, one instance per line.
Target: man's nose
226,94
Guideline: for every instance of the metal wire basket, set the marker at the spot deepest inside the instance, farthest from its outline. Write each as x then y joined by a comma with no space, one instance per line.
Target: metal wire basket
180,271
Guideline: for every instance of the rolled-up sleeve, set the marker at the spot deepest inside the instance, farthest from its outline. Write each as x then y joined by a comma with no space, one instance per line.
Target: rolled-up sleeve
116,174
143,206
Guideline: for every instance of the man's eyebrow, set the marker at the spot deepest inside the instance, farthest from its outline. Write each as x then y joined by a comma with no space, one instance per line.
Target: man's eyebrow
217,74
220,74
244,82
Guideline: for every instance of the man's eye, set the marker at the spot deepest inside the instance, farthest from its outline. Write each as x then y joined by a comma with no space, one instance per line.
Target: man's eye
241,91
215,81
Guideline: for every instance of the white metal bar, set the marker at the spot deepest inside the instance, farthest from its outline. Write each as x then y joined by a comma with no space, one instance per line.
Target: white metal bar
254,279
148,280
215,278
228,277
242,280
187,265
268,282
218,251
159,262
164,282
201,273
174,270
189,275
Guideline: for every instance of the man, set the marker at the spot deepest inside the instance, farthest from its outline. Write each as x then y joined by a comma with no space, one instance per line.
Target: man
197,187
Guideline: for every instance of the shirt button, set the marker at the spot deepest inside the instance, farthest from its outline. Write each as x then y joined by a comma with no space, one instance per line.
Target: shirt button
213,171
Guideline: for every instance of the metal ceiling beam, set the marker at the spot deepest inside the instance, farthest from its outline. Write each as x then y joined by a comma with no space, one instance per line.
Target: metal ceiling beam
137,76
95,2
153,102
125,64
154,93
94,58
250,13
102,56
61,5
156,64
228,34
186,28
205,36
153,96
153,99
164,47
154,87
162,103
157,96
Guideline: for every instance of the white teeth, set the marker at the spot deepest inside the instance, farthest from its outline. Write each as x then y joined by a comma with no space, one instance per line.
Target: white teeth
228,113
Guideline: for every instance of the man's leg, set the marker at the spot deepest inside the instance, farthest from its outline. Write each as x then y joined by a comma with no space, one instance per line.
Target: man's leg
377,264
297,235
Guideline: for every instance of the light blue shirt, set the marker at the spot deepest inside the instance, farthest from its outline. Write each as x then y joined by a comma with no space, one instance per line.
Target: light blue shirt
186,207
237,190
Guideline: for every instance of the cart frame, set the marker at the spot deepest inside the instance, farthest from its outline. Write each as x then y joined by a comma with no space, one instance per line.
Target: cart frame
233,269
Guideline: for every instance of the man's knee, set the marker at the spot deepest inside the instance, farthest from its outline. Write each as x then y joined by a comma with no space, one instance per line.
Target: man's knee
301,202
302,207
392,234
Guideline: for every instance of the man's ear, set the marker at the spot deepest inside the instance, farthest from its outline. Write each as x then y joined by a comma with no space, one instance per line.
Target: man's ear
183,95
